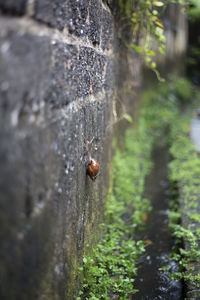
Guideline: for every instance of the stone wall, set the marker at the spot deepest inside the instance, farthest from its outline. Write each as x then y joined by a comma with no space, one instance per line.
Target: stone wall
56,92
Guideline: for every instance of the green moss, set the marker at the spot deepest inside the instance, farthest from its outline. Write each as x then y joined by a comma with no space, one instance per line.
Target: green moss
183,89
112,265
111,268
194,10
185,171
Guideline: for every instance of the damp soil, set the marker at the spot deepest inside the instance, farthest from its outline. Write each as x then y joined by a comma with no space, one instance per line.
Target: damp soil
152,282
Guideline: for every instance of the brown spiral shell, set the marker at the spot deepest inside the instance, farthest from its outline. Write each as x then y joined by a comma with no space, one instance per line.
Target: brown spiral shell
93,169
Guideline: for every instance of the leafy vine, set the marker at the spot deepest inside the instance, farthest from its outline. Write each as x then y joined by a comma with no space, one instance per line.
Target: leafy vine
145,19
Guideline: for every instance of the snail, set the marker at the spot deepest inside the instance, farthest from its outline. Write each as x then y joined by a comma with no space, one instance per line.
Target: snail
92,165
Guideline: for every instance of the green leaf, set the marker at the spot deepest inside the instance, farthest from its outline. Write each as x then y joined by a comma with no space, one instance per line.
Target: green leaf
128,118
158,3
150,52
138,49
134,20
159,24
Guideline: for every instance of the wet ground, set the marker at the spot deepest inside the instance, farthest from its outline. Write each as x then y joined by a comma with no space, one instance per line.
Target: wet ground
151,282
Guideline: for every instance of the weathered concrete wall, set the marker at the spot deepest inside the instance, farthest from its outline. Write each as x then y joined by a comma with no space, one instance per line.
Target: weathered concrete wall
56,92
176,33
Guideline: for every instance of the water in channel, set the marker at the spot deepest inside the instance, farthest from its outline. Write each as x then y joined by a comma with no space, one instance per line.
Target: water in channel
151,282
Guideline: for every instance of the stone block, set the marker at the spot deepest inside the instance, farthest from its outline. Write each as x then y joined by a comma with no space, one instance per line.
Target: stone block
77,72
107,31
95,14
24,73
50,208
13,7
53,13
52,101
84,19
78,18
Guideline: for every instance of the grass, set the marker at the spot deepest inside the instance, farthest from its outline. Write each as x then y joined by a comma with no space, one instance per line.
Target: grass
185,174
111,267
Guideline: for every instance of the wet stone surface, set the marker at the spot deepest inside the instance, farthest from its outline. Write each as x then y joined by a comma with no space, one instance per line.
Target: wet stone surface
195,131
13,7
82,68
54,97
85,19
53,13
24,73
152,283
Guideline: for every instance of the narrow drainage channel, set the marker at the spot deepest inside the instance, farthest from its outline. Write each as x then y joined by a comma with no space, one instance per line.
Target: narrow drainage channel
151,282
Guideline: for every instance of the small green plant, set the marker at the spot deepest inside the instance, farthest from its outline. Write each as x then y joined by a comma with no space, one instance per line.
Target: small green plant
111,267
193,8
185,171
144,17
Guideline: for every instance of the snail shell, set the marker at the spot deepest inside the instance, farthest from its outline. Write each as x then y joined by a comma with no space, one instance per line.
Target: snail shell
93,169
